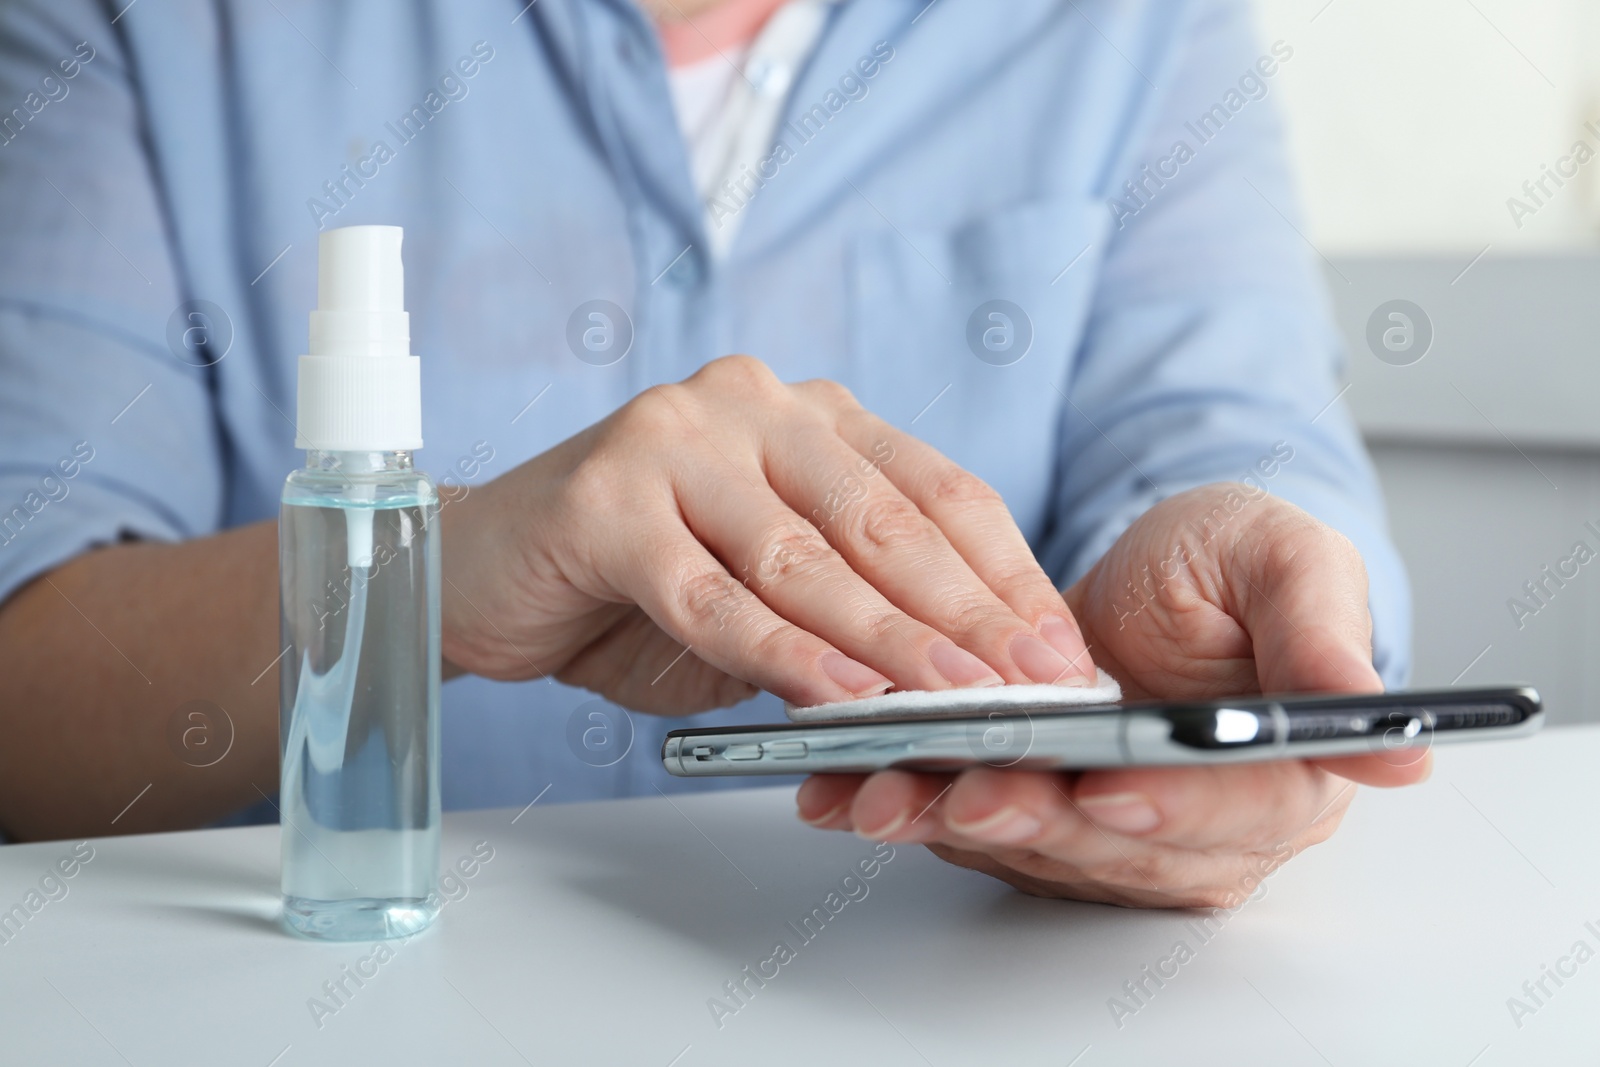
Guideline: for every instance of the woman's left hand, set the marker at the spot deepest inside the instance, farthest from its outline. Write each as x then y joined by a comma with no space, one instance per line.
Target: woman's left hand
1215,592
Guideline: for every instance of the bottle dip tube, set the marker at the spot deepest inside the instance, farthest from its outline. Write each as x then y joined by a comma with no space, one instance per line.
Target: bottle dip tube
359,568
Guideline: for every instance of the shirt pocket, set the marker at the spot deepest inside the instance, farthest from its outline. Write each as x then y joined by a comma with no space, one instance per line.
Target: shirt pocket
966,335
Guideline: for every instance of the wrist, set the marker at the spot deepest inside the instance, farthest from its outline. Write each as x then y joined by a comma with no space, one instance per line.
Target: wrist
472,555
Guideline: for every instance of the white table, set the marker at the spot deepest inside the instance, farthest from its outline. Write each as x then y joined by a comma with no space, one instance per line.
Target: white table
598,932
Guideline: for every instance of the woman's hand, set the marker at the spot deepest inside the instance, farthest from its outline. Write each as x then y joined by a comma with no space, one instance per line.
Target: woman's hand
732,531
1215,592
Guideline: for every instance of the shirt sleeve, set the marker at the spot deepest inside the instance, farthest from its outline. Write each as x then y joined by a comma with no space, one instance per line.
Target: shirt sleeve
107,426
1210,352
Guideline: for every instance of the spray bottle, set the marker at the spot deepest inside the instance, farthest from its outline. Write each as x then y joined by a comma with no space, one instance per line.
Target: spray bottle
359,565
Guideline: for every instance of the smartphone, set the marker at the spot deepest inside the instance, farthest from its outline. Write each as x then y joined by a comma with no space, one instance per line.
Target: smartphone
1150,734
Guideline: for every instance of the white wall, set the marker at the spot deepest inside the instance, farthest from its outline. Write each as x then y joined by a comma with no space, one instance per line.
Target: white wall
1412,121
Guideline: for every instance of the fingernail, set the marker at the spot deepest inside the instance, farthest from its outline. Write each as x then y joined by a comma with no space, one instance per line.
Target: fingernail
960,667
1008,826
1039,661
805,796
1126,813
884,831
1065,640
856,678
825,818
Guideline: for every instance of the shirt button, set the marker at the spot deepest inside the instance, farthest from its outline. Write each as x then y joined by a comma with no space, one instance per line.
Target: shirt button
686,272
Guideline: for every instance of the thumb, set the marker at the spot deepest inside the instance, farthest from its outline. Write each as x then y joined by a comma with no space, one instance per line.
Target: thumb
1301,593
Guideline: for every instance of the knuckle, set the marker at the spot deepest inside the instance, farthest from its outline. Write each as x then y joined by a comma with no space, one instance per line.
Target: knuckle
884,625
1298,542
962,488
888,522
740,371
709,599
972,615
789,549
1018,578
830,393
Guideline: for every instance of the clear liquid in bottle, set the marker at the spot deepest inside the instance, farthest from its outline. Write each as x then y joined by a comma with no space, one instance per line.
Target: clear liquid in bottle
359,710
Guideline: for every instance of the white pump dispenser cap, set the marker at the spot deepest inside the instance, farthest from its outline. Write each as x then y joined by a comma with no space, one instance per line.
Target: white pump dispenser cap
360,387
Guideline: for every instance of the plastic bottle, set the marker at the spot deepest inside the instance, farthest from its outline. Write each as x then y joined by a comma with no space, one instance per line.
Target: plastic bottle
359,567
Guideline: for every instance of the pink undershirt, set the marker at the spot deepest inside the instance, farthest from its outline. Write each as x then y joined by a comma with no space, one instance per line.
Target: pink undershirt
704,56
724,105
732,24
728,71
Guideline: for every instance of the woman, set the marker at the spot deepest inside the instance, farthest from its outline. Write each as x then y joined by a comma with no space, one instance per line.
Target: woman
1027,311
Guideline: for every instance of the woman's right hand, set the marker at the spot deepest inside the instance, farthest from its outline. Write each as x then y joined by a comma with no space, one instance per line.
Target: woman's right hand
784,536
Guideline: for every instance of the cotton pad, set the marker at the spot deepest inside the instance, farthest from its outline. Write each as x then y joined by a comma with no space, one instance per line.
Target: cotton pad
957,703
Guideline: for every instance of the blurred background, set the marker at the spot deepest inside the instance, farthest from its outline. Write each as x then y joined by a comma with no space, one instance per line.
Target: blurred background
1415,127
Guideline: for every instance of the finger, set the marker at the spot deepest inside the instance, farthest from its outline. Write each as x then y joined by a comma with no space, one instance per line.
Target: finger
665,679
991,809
1025,828
691,596
1301,592
899,806
797,574
885,538
1383,769
1189,807
823,800
979,527
1245,805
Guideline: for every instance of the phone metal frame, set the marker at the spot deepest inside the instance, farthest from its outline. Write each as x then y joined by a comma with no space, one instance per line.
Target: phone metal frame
1237,730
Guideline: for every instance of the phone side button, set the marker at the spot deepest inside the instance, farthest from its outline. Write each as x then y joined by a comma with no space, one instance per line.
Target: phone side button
742,752
786,749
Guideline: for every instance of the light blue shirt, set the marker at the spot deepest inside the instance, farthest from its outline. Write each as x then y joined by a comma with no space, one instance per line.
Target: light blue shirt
1163,323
